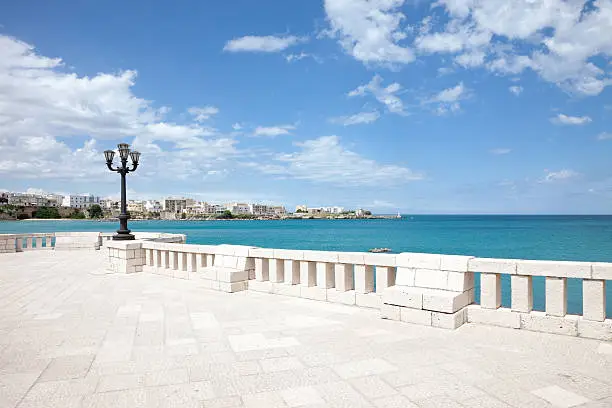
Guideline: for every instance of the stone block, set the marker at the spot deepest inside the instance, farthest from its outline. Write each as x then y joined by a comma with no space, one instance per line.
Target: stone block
522,293
371,300
321,256
403,296
560,269
308,273
594,300
430,278
231,275
419,260
364,278
292,272
455,263
344,297
209,273
325,275
494,317
260,286
179,274
353,258
445,301
595,330
232,287
601,270
379,259
490,290
390,312
286,290
344,277
556,296
385,277
276,270
313,292
540,322
449,320
261,253
293,254
404,276
460,281
492,265
422,317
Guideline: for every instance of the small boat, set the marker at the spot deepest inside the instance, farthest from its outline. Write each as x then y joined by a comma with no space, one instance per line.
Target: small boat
399,216
379,250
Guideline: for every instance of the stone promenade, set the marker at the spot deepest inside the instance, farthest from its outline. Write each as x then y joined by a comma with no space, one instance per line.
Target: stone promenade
73,336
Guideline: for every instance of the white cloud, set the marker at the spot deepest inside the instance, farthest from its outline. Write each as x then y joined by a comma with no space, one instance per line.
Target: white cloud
448,100
604,136
237,126
268,43
326,160
301,56
558,39
562,119
500,150
516,90
552,176
357,119
273,131
204,113
385,95
369,30
41,102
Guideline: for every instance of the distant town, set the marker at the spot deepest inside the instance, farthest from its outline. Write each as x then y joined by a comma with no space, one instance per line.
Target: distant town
20,206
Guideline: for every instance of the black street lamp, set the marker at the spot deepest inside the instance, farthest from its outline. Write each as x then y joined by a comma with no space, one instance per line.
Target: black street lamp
123,233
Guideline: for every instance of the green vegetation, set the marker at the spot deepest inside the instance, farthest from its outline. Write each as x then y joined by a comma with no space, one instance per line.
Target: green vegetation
227,215
47,213
301,211
367,213
77,215
23,216
183,216
95,211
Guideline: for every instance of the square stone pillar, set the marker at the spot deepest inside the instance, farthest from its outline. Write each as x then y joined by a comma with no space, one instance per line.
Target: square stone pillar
490,290
276,270
556,296
522,293
125,256
385,277
594,300
325,275
364,278
344,277
308,273
292,272
262,269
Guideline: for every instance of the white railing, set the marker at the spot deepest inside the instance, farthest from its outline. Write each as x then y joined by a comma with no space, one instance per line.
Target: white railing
26,242
555,317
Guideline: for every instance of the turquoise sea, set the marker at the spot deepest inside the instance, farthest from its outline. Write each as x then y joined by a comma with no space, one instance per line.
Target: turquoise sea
556,237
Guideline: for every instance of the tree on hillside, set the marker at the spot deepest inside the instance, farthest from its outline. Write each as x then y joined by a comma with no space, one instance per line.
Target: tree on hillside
227,215
95,211
77,215
47,213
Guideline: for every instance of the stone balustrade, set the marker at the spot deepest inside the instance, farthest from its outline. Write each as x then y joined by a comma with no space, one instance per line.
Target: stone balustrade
10,243
427,289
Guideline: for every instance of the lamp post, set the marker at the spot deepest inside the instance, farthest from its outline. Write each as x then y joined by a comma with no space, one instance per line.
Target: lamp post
123,233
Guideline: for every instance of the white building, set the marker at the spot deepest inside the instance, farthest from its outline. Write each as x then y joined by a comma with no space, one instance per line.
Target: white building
278,211
258,209
80,201
301,208
153,206
238,208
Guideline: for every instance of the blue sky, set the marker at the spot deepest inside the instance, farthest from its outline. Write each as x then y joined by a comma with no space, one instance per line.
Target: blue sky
458,106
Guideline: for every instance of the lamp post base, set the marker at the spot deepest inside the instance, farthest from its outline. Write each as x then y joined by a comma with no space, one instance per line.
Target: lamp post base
123,237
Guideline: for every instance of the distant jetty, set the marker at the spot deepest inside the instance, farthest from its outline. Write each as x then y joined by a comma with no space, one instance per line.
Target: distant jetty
379,250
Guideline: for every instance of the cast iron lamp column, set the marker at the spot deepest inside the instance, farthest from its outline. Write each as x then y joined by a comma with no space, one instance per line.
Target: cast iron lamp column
123,233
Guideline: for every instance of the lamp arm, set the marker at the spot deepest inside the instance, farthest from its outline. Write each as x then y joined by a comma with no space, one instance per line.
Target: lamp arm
110,166
134,166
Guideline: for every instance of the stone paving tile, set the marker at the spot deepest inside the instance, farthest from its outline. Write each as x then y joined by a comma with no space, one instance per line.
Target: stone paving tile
362,368
264,400
226,402
560,397
301,396
270,365
118,382
396,401
372,387
67,367
341,394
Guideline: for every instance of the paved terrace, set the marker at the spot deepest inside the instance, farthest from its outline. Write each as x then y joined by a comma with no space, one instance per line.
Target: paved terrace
73,335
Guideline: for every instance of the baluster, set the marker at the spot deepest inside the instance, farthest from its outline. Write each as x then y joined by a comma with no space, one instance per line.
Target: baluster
292,272
522,293
556,296
325,275
308,273
364,278
38,242
344,277
490,290
262,269
594,299
385,277
276,270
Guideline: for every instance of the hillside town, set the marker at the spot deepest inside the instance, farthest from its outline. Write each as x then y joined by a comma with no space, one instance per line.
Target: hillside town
16,205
